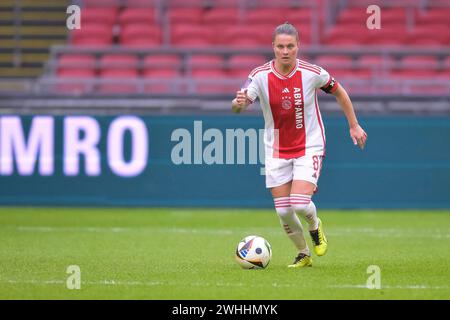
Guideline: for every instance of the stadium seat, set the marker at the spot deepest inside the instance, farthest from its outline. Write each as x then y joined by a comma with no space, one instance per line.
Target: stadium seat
162,62
446,63
334,62
120,62
136,15
100,3
348,34
246,62
185,16
182,34
119,81
240,66
214,82
352,74
268,16
433,16
375,63
140,34
77,81
419,62
76,61
412,73
358,15
161,86
93,34
228,16
393,35
107,16
142,3
430,34
240,34
300,17
206,61
186,3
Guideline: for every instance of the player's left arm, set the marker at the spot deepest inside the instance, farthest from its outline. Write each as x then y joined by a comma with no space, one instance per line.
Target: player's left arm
358,135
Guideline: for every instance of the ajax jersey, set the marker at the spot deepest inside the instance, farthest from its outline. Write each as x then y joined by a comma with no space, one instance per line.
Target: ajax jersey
293,123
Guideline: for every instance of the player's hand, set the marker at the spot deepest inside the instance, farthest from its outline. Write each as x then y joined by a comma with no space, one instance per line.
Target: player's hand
242,98
358,135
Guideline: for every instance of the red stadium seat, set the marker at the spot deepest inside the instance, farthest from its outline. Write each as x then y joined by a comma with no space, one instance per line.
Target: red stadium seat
165,62
142,3
228,16
186,3
100,3
191,34
206,61
76,73
412,73
240,34
214,82
434,16
431,34
394,35
121,62
137,15
77,77
91,15
247,62
240,66
335,62
358,15
139,34
268,16
446,63
120,81
353,74
376,63
161,86
93,34
161,73
185,15
299,17
193,42
419,62
76,61
348,34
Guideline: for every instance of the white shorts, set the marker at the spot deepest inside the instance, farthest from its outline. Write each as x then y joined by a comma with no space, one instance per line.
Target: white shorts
280,171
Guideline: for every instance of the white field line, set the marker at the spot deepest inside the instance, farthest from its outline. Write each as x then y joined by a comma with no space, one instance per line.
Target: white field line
372,232
407,287
206,284
122,230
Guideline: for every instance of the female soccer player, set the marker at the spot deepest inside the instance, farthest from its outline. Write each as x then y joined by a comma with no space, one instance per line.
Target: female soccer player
294,134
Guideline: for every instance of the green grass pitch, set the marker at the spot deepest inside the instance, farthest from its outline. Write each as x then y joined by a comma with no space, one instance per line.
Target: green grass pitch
188,254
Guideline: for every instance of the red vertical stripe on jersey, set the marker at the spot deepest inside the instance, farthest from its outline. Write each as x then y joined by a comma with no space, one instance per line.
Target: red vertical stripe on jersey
287,104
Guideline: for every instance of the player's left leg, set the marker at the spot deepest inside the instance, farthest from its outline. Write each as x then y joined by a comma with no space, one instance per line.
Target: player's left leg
301,193
306,174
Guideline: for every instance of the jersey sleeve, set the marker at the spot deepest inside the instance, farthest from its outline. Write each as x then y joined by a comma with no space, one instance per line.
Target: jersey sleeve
252,88
326,82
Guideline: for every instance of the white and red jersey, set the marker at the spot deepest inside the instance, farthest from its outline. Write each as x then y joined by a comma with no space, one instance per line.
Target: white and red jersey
293,123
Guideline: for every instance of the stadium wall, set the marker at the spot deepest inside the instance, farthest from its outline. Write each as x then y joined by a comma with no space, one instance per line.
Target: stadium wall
201,161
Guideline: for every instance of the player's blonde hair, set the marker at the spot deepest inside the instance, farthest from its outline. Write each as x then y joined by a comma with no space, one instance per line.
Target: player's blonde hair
285,28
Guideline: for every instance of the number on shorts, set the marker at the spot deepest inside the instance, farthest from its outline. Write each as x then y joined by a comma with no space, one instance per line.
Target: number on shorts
315,163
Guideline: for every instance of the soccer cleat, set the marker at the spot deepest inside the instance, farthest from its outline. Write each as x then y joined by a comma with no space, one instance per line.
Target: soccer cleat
302,260
319,239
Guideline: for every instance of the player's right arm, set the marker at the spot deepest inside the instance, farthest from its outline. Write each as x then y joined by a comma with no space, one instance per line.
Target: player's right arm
246,96
241,102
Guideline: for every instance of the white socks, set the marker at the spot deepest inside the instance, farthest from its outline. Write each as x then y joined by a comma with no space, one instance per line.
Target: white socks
303,205
291,223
